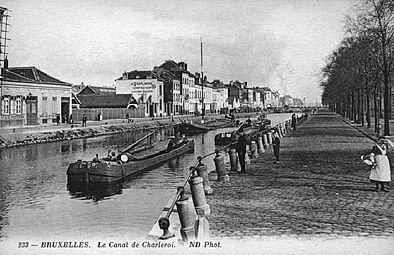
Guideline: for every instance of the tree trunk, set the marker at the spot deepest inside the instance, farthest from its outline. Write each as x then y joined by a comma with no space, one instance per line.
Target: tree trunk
368,116
376,110
362,109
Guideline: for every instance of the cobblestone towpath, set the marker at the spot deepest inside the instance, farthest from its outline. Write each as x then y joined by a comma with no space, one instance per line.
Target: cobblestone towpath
319,190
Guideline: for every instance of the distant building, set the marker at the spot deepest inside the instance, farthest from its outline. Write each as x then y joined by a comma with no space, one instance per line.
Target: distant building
172,90
146,87
220,95
270,98
238,94
111,100
297,102
31,97
187,81
88,89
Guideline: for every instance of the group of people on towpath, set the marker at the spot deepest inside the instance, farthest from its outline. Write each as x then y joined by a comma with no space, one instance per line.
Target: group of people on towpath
242,142
380,173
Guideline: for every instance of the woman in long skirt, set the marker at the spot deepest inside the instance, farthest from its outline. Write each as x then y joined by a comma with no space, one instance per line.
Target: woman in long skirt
380,171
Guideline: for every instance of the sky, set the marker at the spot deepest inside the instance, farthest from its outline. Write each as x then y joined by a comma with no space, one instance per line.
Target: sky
281,44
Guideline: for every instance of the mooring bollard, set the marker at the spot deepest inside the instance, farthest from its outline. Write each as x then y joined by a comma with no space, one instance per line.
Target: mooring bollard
219,165
198,195
254,149
233,160
277,129
287,127
187,217
247,159
269,136
202,171
260,144
282,129
202,228
164,224
265,141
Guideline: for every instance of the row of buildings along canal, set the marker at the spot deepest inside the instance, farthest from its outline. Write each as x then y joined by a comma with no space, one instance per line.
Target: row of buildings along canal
32,97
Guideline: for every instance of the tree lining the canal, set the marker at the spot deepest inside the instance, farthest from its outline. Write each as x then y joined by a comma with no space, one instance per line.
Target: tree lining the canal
358,75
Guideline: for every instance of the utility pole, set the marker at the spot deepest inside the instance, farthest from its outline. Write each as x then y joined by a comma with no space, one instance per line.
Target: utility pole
3,52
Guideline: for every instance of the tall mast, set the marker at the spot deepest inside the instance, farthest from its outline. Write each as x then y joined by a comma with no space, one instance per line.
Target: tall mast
202,84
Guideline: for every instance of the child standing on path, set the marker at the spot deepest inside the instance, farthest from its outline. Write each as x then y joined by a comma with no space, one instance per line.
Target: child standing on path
380,171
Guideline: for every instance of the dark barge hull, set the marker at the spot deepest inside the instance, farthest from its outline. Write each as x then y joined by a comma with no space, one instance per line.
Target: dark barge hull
190,129
105,171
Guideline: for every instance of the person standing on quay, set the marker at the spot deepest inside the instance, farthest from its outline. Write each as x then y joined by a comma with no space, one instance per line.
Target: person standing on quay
293,121
84,119
241,149
380,171
276,145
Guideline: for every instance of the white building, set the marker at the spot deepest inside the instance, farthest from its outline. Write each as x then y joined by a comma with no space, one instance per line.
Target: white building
145,88
32,97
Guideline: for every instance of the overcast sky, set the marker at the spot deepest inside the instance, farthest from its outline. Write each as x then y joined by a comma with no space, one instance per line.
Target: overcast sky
281,44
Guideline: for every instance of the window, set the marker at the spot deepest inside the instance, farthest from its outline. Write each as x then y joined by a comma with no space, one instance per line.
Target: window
161,105
44,106
5,106
18,105
160,91
54,105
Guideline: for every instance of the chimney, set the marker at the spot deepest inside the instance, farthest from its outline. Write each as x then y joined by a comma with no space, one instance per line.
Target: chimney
124,75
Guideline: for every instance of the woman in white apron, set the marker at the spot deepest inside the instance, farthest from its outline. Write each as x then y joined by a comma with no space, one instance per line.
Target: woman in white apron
380,171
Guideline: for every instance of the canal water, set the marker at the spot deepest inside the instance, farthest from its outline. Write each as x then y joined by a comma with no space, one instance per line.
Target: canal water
37,205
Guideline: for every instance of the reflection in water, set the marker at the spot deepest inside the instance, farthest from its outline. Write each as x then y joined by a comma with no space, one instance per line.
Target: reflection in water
94,192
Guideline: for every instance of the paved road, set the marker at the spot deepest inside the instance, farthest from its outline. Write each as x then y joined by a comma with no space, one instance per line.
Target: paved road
319,189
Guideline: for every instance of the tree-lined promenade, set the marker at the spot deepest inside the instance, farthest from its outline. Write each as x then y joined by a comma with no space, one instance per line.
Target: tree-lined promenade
358,76
320,191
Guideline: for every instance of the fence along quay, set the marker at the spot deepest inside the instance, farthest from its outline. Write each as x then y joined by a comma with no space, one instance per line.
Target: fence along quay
192,221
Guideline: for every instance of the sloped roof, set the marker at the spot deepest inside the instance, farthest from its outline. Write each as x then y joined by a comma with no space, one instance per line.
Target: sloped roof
140,75
173,66
31,75
164,74
96,90
105,100
75,99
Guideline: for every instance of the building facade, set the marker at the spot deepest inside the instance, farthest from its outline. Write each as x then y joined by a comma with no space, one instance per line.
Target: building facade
32,97
146,88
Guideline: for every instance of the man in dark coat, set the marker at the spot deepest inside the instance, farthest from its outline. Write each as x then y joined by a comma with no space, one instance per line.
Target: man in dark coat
241,149
84,119
276,145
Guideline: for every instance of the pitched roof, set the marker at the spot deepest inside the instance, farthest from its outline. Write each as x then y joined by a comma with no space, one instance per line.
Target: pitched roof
105,100
165,74
31,75
173,66
139,75
96,90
